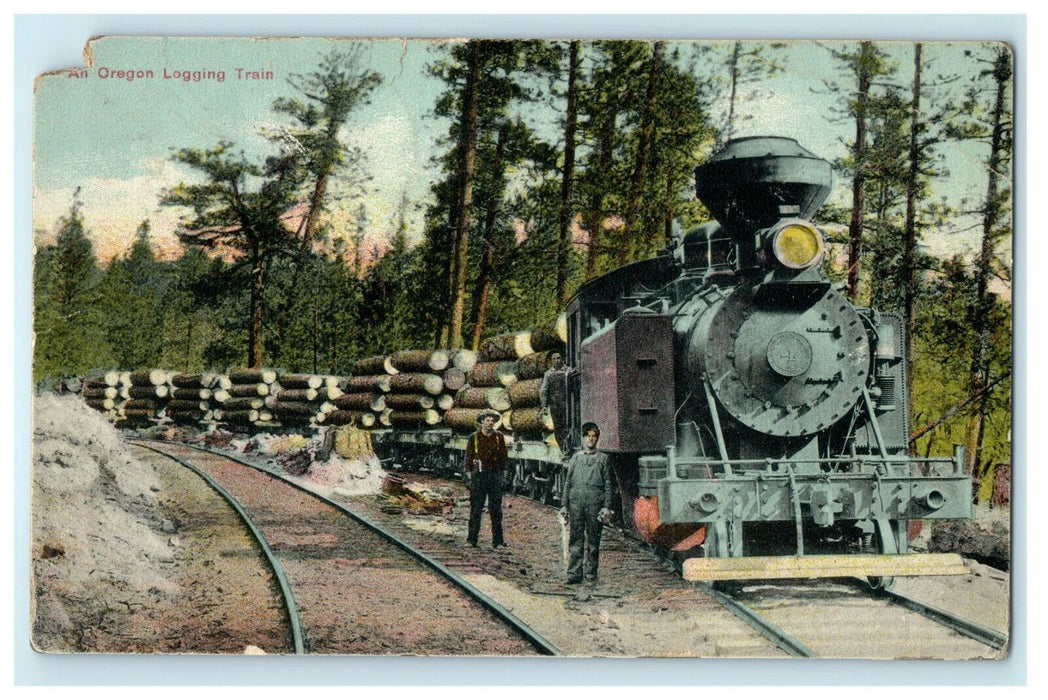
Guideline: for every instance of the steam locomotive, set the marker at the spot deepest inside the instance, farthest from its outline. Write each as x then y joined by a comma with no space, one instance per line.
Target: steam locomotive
748,406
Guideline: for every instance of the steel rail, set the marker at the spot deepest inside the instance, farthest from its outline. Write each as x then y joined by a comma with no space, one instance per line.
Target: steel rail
984,635
278,571
534,638
770,631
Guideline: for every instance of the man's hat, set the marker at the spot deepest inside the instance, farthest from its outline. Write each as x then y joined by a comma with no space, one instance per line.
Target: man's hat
488,412
586,427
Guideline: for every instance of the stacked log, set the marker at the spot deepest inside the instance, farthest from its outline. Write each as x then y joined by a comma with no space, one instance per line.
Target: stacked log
148,394
494,373
517,361
247,397
106,392
191,398
552,336
409,388
363,399
535,365
464,420
425,361
415,383
305,399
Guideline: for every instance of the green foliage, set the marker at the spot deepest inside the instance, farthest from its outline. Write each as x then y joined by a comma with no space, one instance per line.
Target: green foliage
68,336
946,326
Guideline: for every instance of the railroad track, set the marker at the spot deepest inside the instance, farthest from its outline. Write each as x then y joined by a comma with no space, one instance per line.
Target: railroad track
764,619
886,606
843,618
345,580
824,630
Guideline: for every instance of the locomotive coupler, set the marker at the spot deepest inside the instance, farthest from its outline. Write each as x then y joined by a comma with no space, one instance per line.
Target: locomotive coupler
824,504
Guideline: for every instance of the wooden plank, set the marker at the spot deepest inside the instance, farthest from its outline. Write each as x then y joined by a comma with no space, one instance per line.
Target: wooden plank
823,566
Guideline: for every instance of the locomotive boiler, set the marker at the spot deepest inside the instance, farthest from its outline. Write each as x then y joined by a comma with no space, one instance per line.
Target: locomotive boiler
755,416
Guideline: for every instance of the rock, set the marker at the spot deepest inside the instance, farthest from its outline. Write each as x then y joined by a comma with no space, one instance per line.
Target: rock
986,543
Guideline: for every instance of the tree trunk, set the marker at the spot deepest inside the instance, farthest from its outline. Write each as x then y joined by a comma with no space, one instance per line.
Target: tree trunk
568,177
495,397
525,393
634,226
530,420
985,299
309,223
376,364
252,376
467,163
420,360
465,419
508,346
493,374
859,178
373,383
733,76
361,402
454,379
909,253
258,287
488,254
595,218
412,383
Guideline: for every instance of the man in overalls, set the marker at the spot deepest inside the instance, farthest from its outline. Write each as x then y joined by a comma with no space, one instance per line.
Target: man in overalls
586,502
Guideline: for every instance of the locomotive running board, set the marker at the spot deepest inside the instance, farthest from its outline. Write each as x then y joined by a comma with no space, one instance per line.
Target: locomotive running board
823,566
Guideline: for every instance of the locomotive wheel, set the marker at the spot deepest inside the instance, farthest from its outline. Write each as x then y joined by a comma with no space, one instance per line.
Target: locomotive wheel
518,484
880,583
547,492
535,489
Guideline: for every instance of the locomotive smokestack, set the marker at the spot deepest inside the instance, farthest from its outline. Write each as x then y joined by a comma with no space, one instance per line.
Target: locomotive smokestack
753,182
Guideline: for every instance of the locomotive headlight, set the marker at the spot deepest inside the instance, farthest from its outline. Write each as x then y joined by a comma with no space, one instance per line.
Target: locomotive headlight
796,244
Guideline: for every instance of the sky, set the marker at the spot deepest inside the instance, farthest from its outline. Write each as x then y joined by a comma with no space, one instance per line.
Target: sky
111,129
112,133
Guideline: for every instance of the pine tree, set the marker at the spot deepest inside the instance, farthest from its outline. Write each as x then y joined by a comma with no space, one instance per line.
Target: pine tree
228,213
69,337
996,131
325,99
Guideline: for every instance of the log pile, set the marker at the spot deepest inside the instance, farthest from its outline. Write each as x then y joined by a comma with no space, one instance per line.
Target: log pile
107,392
408,392
305,399
247,397
517,363
406,389
364,395
148,393
191,398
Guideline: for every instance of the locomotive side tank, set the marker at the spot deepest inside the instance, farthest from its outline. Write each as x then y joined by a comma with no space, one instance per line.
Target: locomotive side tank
751,408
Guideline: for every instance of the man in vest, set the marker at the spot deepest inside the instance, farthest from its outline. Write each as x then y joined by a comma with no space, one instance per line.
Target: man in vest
553,395
486,455
586,503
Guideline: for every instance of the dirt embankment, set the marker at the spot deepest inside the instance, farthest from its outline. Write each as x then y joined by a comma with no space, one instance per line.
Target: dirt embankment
100,543
986,539
128,555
